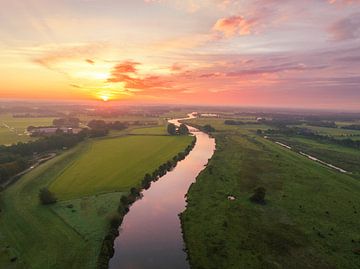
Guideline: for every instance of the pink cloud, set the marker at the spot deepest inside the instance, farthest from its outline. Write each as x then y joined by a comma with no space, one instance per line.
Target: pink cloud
346,29
235,25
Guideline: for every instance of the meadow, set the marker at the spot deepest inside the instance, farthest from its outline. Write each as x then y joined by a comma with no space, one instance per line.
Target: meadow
338,133
340,156
13,130
310,219
116,164
88,180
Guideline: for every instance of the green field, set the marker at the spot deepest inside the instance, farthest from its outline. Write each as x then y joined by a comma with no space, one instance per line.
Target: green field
13,130
310,219
89,180
158,130
109,165
334,132
340,156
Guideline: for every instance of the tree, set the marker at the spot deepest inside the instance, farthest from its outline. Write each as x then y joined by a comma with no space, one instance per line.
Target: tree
171,129
208,128
183,129
259,195
46,197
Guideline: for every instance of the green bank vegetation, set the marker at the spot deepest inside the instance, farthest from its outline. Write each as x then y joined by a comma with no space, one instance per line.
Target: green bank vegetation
309,217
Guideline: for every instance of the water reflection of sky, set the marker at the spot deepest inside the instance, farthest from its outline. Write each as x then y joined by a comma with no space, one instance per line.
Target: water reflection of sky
150,236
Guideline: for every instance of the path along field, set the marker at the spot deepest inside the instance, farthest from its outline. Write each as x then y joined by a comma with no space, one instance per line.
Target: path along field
310,219
69,233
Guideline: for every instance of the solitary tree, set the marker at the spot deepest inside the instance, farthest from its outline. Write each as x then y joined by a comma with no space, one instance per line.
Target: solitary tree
46,197
171,129
183,129
208,128
259,195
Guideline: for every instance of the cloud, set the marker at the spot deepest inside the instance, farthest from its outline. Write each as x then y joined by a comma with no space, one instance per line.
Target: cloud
89,61
234,25
52,56
346,29
346,2
127,73
124,67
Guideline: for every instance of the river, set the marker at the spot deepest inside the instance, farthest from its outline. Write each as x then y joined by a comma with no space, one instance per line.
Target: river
150,235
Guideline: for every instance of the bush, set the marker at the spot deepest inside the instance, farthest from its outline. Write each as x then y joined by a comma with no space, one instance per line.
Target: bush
259,195
115,221
46,197
171,129
183,129
208,128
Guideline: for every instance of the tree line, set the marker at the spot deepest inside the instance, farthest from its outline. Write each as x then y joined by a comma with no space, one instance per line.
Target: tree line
307,133
173,130
16,158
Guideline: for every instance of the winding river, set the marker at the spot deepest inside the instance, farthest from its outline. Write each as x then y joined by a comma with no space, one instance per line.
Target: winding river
150,235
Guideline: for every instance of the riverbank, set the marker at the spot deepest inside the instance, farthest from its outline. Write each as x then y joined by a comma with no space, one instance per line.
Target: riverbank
309,219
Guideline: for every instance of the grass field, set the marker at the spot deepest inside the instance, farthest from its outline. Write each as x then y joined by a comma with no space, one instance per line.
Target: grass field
334,132
69,233
343,157
310,219
158,130
109,165
12,130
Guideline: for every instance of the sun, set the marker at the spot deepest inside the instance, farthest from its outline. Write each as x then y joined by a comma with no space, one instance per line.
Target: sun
105,98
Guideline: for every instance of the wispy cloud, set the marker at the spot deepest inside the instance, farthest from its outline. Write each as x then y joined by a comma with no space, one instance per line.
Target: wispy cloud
346,29
50,56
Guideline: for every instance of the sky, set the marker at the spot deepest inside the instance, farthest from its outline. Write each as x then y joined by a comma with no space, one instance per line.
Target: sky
285,53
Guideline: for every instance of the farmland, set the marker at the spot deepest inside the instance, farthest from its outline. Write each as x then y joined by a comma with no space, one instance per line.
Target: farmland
310,219
115,164
88,180
13,130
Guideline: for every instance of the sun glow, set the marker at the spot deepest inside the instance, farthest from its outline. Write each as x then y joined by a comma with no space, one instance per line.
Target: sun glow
104,97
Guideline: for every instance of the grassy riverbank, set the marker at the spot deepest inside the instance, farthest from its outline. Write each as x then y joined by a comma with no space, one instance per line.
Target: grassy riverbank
310,219
69,234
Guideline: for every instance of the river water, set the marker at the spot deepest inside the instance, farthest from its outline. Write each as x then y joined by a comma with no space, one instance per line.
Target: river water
150,235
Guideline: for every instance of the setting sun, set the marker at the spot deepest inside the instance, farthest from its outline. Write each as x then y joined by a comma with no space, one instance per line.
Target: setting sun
105,98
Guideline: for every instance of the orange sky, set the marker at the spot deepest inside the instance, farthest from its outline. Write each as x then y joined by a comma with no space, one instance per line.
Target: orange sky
260,52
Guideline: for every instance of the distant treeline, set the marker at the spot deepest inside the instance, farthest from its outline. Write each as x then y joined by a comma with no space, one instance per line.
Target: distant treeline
238,122
327,124
67,122
306,133
351,127
16,158
107,247
102,128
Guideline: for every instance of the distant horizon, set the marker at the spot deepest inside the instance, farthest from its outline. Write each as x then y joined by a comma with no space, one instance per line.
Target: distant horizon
113,104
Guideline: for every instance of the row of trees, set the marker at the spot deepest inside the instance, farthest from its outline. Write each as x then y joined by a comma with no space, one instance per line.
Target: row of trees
100,128
351,127
311,135
173,130
16,158
67,122
107,247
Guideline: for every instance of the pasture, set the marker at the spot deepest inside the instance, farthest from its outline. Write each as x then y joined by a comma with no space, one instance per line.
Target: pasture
310,219
117,164
13,130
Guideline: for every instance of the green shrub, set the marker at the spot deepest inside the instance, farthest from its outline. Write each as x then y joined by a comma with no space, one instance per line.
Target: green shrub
46,197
